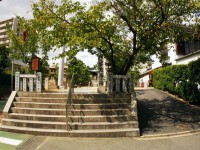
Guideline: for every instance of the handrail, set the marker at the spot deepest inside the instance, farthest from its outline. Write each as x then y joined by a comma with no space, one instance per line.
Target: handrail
69,101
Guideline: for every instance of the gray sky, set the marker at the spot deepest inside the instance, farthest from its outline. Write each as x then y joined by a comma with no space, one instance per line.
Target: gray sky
12,8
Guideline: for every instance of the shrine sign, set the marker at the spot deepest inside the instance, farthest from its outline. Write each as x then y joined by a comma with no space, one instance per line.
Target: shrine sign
35,63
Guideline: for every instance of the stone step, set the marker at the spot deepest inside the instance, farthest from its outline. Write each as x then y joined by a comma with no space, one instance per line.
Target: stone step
50,95
102,125
100,118
101,106
40,105
35,131
92,112
41,111
76,96
37,117
34,124
83,112
126,132
41,99
100,100
74,101
73,106
73,126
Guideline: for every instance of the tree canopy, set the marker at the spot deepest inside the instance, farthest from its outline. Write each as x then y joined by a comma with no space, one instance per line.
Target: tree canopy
23,47
4,58
80,70
125,32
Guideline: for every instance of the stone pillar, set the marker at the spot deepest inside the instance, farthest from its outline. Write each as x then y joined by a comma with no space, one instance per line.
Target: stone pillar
61,71
110,83
46,84
131,84
31,84
124,84
104,71
24,84
17,78
39,82
117,84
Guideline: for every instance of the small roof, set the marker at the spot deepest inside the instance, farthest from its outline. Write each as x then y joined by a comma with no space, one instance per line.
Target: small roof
20,63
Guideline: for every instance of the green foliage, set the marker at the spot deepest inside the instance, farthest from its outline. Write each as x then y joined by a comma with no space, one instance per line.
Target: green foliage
5,84
4,58
5,78
23,49
136,74
125,32
182,80
80,70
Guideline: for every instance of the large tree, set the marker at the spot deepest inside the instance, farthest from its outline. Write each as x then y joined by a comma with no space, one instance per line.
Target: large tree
123,31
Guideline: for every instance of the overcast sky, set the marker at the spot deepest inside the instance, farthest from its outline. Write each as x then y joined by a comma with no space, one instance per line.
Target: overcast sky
12,8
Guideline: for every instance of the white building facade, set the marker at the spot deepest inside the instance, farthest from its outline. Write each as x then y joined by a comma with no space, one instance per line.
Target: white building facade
178,54
12,23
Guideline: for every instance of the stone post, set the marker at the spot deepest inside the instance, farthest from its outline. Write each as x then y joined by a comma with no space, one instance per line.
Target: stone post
131,84
117,84
46,84
31,84
133,107
24,84
104,71
39,82
124,84
17,78
110,83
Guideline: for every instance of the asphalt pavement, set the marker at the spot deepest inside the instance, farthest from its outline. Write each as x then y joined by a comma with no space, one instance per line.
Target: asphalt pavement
184,142
160,113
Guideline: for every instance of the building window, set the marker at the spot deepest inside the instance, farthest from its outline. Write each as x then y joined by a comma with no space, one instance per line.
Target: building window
188,47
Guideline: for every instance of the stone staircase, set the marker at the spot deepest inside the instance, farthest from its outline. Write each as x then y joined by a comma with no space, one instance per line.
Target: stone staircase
90,115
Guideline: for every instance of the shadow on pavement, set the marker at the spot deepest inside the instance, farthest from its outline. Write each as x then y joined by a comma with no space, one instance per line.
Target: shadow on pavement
159,113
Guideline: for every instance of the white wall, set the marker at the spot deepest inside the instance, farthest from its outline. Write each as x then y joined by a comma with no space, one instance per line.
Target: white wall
144,80
188,59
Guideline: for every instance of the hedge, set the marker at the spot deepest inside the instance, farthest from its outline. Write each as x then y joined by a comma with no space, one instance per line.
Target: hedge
5,85
181,80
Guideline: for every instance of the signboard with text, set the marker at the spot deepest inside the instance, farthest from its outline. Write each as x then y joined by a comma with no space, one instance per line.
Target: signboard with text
35,64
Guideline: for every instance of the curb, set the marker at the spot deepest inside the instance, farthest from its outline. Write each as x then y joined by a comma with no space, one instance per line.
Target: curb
170,134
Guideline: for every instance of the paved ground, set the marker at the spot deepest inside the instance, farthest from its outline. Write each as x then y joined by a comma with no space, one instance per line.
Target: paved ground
160,113
78,90
189,142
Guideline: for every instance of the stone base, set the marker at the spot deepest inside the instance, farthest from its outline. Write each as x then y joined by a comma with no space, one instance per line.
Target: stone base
61,87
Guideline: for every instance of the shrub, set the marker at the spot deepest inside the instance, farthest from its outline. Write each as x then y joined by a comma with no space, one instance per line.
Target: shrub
5,85
182,80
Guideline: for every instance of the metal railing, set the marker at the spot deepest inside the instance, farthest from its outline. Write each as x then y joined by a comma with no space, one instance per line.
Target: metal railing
69,101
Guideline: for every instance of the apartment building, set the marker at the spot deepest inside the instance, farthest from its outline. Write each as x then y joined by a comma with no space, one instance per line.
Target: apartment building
12,23
5,40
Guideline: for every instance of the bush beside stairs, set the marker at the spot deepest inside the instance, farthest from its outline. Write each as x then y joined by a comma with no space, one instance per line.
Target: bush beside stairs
90,115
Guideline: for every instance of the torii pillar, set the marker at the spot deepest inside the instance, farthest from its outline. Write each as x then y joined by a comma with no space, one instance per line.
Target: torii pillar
61,71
